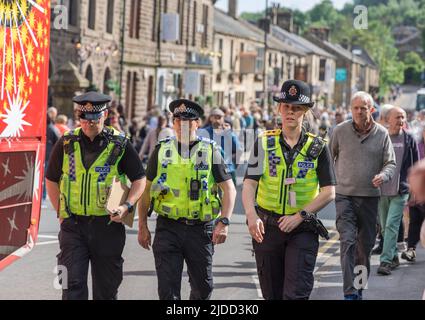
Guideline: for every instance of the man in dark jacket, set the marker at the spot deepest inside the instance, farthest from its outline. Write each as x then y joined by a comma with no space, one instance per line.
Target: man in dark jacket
395,193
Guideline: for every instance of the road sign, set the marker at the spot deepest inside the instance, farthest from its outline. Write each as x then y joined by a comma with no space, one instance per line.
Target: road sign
341,74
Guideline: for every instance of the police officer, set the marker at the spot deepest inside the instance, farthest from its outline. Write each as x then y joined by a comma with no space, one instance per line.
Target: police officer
184,174
82,166
290,177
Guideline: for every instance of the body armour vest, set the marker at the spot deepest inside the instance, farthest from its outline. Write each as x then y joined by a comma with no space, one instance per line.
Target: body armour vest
286,189
85,191
184,186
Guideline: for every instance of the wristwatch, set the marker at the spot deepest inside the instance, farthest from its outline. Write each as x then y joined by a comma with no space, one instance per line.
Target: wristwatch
305,215
224,220
130,207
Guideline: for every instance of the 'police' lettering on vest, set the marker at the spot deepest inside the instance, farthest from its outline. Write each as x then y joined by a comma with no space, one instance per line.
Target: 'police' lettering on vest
305,165
105,169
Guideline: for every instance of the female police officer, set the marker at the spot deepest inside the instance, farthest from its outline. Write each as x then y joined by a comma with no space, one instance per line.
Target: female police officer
290,177
182,177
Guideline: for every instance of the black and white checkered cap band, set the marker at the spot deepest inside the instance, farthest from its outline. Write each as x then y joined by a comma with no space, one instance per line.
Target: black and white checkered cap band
93,108
188,110
302,98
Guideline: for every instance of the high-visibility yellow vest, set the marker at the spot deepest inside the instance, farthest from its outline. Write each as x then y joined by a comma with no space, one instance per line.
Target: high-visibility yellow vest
170,190
277,191
84,192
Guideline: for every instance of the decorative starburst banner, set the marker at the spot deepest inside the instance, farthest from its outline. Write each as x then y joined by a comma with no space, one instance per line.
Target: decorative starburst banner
24,60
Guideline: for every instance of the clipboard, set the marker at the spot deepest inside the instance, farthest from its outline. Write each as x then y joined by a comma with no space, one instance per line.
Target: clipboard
117,196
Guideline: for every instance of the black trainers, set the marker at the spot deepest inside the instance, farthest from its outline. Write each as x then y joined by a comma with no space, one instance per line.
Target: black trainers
409,255
395,263
384,269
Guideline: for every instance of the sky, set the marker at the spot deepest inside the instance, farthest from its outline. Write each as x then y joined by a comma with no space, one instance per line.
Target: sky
259,5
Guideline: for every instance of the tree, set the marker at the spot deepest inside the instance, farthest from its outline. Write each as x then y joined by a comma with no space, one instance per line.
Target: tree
413,61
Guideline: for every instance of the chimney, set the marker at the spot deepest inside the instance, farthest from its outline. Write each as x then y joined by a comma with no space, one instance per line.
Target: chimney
233,8
320,33
285,20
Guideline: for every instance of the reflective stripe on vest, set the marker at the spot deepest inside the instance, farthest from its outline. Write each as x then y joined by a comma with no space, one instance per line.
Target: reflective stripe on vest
170,189
273,193
84,192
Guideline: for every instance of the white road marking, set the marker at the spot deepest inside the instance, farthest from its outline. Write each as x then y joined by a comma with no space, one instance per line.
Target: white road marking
47,242
47,236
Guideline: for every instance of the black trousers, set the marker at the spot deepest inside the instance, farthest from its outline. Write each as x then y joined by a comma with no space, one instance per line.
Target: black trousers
285,262
175,243
417,216
85,240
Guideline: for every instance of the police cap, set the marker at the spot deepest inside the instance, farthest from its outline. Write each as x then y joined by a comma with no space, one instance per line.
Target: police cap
186,109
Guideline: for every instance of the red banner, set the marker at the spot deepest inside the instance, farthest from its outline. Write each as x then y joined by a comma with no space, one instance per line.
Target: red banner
24,62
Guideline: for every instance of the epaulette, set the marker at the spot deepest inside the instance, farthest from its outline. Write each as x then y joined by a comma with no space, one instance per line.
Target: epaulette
269,133
314,136
206,140
165,140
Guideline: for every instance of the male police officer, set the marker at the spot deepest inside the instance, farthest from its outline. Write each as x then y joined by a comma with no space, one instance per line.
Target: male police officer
291,179
81,169
182,177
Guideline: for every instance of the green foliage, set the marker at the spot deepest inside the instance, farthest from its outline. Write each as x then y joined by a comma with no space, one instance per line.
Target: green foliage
252,16
383,16
114,86
413,61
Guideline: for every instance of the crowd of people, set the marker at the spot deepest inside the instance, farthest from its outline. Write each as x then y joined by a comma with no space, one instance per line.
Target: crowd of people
373,201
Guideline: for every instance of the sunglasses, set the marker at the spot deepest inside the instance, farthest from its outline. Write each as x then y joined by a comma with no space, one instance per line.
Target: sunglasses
91,116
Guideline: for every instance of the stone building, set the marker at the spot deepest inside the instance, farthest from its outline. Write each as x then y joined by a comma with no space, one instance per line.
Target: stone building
141,52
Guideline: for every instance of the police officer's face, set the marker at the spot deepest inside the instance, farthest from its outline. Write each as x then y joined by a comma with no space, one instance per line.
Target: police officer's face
291,114
93,127
185,128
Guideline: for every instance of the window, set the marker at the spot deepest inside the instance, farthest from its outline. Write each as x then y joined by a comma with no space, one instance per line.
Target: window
240,98
242,47
89,74
203,85
205,23
110,16
322,69
220,50
73,12
135,19
92,14
130,101
219,98
270,59
106,78
259,64
181,19
154,22
231,55
282,66
195,8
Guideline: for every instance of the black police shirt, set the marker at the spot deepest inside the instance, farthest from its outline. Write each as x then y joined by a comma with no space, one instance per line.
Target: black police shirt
219,169
325,169
130,163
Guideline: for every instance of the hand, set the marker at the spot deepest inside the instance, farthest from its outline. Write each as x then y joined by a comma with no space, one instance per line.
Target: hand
144,237
377,180
118,214
60,220
220,233
289,223
256,228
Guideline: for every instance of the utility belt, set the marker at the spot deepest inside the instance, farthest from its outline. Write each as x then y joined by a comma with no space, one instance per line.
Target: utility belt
86,219
188,222
311,225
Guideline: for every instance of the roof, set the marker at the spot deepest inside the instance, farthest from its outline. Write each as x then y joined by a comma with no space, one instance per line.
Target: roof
227,25
344,52
299,42
365,56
